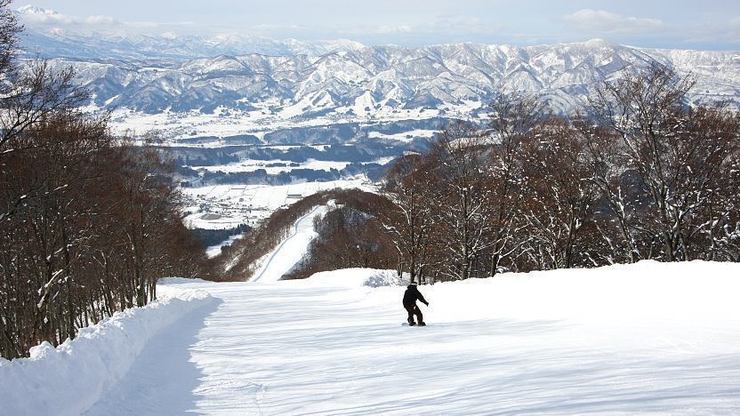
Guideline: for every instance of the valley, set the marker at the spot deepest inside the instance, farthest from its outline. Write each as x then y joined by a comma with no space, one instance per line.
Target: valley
242,117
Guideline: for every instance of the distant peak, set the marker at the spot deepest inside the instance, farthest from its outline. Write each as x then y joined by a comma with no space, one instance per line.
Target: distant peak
29,9
597,43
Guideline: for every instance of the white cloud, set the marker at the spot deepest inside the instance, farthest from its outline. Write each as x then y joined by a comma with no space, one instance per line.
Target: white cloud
55,22
50,21
607,22
443,24
387,29
100,20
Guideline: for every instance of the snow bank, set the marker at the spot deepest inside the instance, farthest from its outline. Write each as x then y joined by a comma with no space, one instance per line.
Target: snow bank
67,380
352,278
687,292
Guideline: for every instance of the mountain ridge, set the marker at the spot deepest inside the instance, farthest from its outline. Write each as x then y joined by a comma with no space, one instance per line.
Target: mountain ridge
371,80
268,81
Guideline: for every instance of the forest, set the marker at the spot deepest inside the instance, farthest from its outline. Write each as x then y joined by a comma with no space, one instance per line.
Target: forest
638,173
87,222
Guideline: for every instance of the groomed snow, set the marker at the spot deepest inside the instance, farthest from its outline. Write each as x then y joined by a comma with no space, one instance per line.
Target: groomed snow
649,338
69,379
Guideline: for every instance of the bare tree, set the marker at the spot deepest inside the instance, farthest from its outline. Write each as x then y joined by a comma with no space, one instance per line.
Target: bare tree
37,93
512,118
560,195
410,186
463,201
87,225
668,164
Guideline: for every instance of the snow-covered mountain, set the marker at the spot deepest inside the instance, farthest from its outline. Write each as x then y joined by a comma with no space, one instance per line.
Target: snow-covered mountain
270,81
50,34
168,46
372,81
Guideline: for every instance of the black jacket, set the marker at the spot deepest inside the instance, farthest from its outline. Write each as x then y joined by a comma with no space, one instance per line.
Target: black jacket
412,295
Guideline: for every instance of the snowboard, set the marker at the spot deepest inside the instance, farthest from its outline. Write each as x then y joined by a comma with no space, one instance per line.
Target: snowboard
407,324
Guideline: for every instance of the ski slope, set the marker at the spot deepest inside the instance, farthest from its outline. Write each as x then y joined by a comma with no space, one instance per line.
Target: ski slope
650,338
291,250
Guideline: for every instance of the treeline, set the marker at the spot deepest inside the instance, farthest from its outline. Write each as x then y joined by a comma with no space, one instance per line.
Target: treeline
639,174
87,223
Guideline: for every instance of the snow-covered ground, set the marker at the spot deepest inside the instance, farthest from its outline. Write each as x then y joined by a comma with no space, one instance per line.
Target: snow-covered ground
274,167
406,136
170,126
650,338
69,379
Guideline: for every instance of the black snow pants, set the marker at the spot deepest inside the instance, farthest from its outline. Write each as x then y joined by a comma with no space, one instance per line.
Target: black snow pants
412,309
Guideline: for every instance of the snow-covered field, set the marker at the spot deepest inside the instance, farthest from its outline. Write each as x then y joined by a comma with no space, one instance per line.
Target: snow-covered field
170,126
227,206
215,250
406,136
273,167
650,338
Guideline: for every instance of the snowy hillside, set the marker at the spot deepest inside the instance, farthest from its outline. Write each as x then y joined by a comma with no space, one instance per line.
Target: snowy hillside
647,338
376,81
168,87
173,86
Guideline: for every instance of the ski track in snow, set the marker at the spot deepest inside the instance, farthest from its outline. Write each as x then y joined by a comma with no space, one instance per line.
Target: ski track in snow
640,339
291,250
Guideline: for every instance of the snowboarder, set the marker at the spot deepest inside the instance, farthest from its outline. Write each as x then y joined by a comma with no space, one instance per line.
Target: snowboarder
409,302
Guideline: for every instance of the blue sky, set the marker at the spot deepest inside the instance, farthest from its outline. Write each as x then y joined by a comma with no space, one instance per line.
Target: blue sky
696,24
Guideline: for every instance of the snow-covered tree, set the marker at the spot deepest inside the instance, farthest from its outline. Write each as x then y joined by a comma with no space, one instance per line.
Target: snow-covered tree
560,197
667,163
410,186
463,200
512,118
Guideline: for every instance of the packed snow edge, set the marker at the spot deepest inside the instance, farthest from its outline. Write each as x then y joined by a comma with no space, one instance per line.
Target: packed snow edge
67,380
